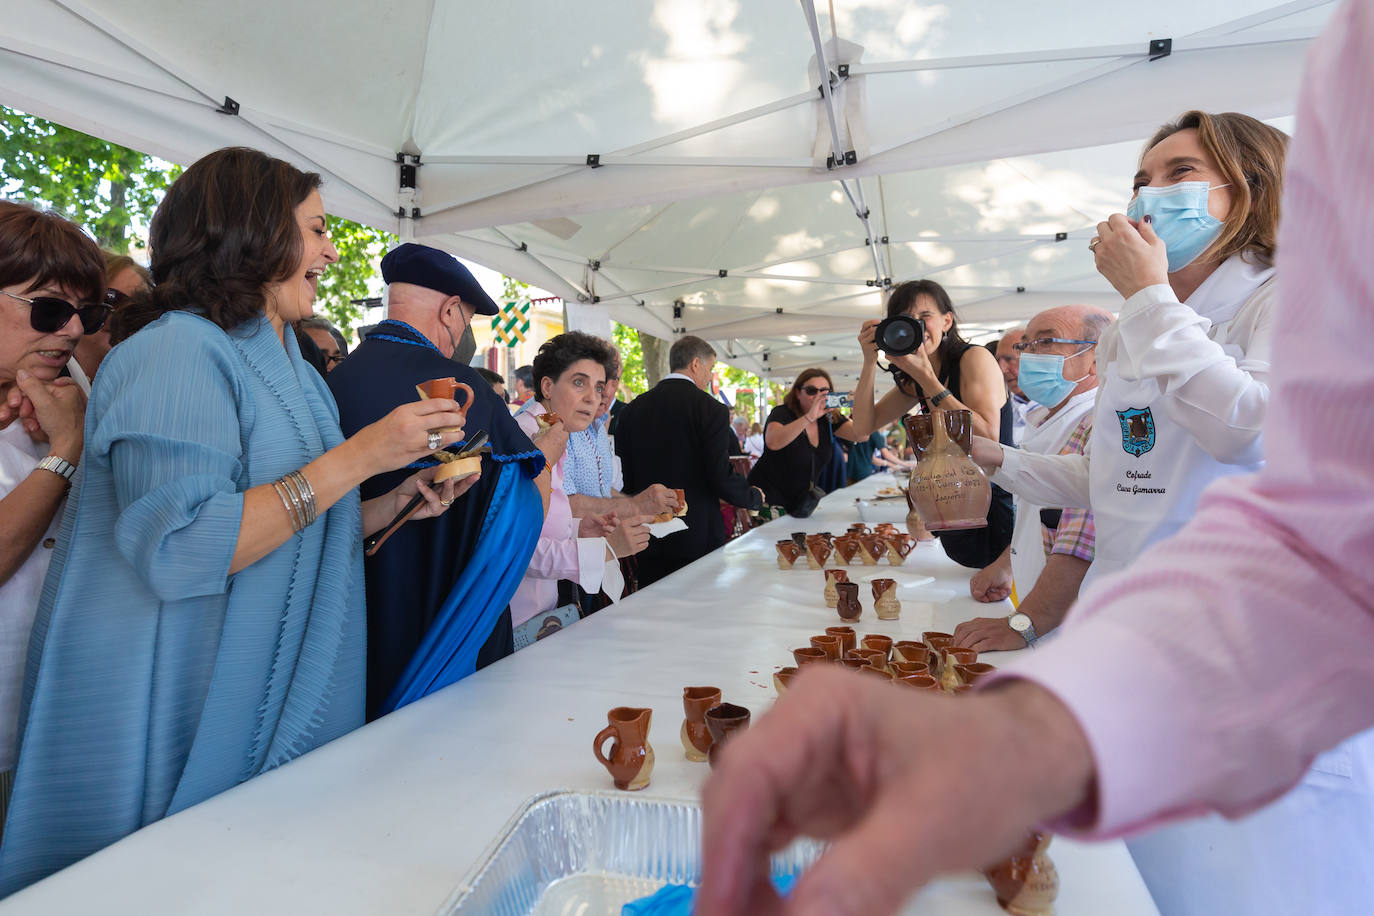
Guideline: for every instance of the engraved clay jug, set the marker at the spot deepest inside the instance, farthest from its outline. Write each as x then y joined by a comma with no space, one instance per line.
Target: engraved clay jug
632,759
949,491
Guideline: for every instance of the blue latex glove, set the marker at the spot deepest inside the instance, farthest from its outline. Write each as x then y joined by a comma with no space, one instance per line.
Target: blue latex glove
676,899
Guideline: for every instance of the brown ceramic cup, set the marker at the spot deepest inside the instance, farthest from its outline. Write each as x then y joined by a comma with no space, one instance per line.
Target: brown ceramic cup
696,740
830,645
788,552
878,672
809,656
875,657
902,669
920,682
782,679
855,662
724,721
957,655
912,651
880,642
971,674
847,637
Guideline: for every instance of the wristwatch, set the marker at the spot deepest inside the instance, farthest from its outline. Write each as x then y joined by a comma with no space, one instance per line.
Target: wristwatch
59,466
1022,624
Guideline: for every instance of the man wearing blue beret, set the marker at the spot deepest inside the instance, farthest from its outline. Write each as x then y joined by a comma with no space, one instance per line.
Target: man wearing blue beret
438,589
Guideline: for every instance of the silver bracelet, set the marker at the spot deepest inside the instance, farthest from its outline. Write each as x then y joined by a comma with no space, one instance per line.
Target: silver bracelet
291,502
307,494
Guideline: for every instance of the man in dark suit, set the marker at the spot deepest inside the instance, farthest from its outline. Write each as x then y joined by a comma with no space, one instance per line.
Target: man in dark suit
678,435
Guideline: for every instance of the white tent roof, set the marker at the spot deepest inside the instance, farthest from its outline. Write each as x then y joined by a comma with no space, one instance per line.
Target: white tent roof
987,136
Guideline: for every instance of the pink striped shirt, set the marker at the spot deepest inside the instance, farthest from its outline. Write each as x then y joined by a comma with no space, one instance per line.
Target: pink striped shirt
1209,674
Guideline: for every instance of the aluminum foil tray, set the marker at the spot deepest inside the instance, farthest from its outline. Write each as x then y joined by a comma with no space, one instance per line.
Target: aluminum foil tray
589,853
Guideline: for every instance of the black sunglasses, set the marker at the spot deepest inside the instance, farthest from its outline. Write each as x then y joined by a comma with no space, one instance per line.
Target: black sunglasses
48,314
813,390
115,299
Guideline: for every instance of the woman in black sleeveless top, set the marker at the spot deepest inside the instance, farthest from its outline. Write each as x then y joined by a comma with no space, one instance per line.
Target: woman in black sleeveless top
797,443
945,373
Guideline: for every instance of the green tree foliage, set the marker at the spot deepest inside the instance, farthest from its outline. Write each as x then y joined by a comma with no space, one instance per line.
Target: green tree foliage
633,381
112,191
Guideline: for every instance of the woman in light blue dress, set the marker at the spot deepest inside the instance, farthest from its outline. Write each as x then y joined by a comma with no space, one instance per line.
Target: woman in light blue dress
202,619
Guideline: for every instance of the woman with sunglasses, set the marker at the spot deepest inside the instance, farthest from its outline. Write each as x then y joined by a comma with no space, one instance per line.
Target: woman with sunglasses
797,444
124,277
46,264
203,618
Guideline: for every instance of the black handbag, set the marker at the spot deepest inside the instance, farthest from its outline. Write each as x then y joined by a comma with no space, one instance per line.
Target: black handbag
807,503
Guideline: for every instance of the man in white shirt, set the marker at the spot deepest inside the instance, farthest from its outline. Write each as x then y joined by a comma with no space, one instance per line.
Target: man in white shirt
1050,551
1008,359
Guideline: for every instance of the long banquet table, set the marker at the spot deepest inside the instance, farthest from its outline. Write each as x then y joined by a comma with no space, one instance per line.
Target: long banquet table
391,818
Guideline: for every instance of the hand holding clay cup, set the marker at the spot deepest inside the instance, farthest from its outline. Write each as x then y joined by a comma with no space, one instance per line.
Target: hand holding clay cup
447,388
830,645
847,605
809,655
724,721
631,760
848,639
832,576
696,739
788,551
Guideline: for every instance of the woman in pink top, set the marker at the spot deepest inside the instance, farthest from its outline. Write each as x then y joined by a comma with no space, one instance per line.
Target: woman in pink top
569,379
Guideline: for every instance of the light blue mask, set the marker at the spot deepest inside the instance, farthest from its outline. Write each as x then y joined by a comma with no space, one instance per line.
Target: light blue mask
1041,378
1178,214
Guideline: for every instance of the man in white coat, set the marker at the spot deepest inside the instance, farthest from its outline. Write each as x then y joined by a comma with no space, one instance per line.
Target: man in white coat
1050,550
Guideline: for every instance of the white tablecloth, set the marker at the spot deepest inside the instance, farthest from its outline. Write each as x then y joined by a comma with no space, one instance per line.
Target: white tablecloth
392,817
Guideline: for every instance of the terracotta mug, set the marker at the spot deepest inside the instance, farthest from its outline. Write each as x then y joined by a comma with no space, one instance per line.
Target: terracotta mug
696,740
855,662
885,603
898,547
1028,882
724,721
885,528
832,576
875,657
847,638
817,551
447,388
920,682
809,656
828,644
951,657
799,538
782,679
848,605
788,552
879,642
631,759
847,547
877,672
873,548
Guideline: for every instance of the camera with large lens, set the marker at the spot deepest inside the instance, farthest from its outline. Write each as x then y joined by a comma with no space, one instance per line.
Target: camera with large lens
899,335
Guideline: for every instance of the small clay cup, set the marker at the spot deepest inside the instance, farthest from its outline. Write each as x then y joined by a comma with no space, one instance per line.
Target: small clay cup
724,721
880,642
971,674
447,388
855,662
920,682
903,669
696,740
874,548
847,638
818,550
799,538
832,576
847,547
877,672
957,655
847,604
788,552
830,645
782,679
912,652
875,657
809,656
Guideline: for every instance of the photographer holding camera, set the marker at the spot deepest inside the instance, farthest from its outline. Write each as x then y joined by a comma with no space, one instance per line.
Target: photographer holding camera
797,442
938,370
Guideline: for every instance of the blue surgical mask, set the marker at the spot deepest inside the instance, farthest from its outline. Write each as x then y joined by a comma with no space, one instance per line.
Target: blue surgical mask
1041,378
1178,214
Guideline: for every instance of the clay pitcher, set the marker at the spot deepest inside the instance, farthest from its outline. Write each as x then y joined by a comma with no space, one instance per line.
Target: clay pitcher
847,604
948,490
898,547
696,739
847,547
832,576
1027,883
817,551
885,602
723,721
872,547
631,759
446,388
788,551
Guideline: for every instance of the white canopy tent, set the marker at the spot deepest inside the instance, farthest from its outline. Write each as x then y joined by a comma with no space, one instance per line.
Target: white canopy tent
683,162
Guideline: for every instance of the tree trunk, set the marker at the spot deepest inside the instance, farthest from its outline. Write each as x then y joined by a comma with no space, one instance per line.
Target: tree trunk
655,357
114,235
